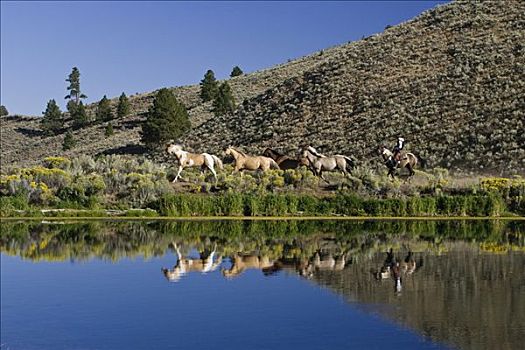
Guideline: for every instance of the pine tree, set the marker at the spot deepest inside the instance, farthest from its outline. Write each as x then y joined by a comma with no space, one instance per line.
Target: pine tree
236,71
123,107
104,112
79,115
74,86
109,130
224,103
3,111
209,86
166,119
69,142
52,122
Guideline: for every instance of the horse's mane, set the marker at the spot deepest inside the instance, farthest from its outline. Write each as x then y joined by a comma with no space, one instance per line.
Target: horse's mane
314,152
274,152
240,152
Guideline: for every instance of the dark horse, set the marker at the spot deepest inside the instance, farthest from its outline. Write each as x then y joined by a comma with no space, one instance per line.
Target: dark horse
284,161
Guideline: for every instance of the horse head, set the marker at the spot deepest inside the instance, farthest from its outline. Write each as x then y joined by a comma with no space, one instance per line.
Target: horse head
172,148
268,152
173,275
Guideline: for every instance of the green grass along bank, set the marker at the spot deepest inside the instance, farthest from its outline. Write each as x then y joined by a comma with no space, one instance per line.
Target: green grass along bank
289,205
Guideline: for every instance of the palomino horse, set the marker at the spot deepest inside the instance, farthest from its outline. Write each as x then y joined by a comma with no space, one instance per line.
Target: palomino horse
241,263
243,161
184,265
186,159
283,161
407,160
320,162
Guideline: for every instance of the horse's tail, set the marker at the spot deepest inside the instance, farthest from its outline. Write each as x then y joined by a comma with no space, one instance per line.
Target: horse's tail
217,161
349,164
412,159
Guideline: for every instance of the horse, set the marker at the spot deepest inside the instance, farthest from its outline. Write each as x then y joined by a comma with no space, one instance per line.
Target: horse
186,159
241,263
205,263
320,162
407,160
243,161
394,268
284,161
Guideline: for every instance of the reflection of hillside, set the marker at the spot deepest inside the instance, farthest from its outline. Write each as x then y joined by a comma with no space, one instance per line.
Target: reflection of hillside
465,297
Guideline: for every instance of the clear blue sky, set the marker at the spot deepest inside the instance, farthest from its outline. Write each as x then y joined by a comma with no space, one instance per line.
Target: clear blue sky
141,46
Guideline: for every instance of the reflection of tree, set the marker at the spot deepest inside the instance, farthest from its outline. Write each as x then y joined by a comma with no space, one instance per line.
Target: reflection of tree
275,239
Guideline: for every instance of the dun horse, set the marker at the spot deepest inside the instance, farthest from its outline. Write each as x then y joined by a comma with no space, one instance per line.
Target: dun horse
186,159
241,263
284,161
319,162
243,161
407,160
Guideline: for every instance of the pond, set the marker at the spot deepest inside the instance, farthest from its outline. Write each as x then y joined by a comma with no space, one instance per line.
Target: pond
263,284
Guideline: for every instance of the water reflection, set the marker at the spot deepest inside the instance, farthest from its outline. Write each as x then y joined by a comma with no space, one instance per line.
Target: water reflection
207,262
457,282
394,268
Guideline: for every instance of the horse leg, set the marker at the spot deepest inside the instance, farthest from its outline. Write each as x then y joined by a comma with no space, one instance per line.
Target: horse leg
178,174
391,173
322,177
213,172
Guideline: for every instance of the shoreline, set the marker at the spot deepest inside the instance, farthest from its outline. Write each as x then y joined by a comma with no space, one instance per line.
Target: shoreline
259,218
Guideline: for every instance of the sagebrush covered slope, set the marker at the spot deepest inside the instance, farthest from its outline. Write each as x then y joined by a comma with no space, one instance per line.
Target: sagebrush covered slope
451,81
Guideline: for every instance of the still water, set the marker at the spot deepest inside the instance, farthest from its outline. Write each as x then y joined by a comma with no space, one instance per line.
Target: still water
263,285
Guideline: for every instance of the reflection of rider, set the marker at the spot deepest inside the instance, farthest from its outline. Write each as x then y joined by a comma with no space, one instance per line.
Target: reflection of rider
397,149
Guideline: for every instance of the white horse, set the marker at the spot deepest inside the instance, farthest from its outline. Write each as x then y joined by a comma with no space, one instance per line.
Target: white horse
319,162
184,265
187,159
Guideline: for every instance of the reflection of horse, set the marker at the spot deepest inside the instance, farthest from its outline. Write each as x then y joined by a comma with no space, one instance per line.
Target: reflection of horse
290,264
244,161
407,160
320,162
394,268
307,267
241,263
284,161
328,262
186,159
184,265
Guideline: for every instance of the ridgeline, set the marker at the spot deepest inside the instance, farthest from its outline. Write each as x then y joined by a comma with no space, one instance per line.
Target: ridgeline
451,81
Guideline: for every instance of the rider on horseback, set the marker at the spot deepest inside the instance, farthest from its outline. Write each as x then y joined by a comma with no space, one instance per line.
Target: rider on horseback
397,150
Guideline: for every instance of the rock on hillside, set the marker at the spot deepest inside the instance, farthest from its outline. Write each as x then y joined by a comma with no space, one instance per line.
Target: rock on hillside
451,81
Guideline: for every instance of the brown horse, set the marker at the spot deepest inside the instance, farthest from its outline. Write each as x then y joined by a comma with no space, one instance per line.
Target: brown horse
407,160
284,161
244,161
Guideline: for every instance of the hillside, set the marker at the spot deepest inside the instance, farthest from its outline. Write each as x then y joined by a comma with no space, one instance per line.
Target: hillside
451,81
